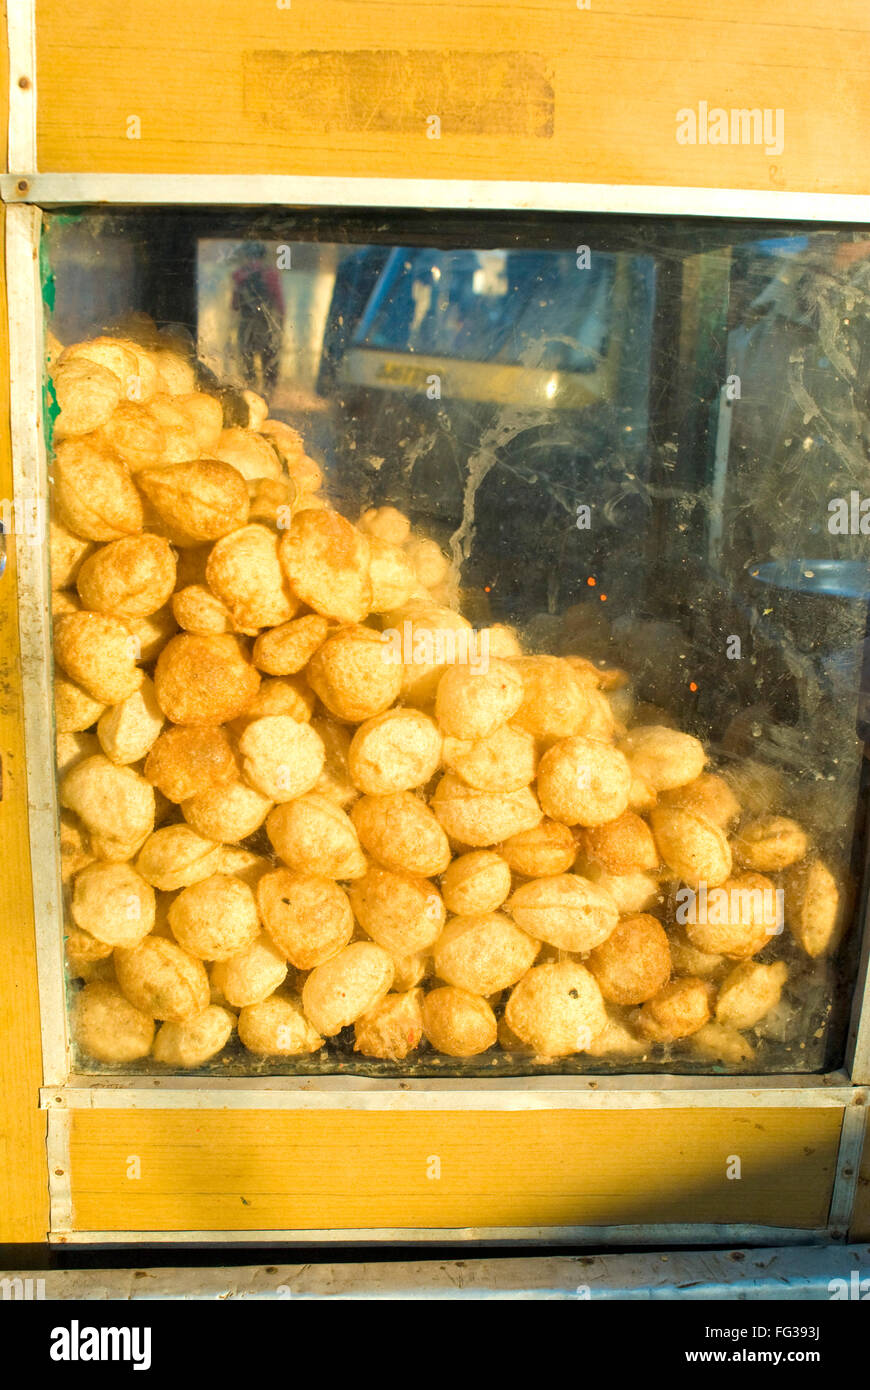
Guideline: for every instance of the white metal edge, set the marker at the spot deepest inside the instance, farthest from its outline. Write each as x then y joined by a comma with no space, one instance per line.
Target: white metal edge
668,1235
794,1273
29,473
57,1147
21,38
848,1171
452,1096
471,194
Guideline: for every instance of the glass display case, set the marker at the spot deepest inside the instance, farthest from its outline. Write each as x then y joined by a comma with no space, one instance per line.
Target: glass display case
459,632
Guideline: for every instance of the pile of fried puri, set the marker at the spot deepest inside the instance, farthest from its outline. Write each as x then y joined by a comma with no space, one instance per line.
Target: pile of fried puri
271,824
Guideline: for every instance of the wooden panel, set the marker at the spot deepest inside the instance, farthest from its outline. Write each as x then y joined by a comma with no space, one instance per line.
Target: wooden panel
542,90
279,1170
23,1171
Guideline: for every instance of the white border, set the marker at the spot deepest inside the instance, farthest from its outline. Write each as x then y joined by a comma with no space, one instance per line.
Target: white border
29,474
504,1093
21,38
670,1235
469,194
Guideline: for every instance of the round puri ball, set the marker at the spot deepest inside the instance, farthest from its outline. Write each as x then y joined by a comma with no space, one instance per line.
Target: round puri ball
678,1010
457,1023
132,365
94,494
87,393
179,438
504,762
424,638
326,562
770,843
622,846
393,1028
353,675
277,1027
814,907
198,501
281,757
709,795
566,911
127,731
546,849
135,435
386,522
132,577
472,704
196,609
193,1042
429,561
67,554
176,374
114,903
249,452
631,892
74,709
290,695
307,916
244,572
750,991
716,1042
401,833
665,757
483,953
186,760
98,653
395,751
82,948
634,963
228,813
555,704
350,984
583,782
205,415
108,1027
401,912
689,960
176,856
204,680
313,835
391,573
692,847
215,918
557,1009
286,649
75,846
479,881
736,919
305,474
112,801
251,975
479,818
162,979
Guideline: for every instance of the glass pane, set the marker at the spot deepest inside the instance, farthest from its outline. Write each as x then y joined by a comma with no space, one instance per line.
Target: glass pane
512,616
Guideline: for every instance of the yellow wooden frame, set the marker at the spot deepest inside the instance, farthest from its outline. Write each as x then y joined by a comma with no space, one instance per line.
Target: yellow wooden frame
594,93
